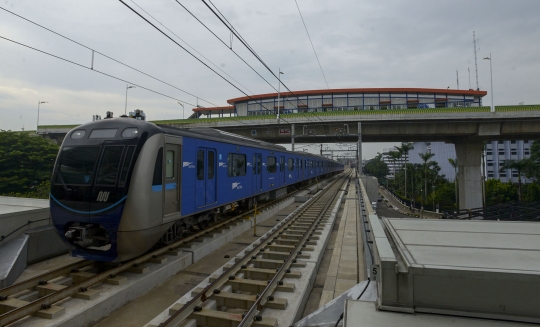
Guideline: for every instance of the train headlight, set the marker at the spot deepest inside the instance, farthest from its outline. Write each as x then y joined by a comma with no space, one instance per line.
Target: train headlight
130,132
78,134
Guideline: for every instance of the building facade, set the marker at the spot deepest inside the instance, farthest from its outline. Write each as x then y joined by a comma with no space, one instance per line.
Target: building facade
346,99
495,155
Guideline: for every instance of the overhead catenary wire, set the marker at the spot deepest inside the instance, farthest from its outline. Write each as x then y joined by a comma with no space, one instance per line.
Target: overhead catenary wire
186,50
160,23
108,57
231,28
312,46
94,70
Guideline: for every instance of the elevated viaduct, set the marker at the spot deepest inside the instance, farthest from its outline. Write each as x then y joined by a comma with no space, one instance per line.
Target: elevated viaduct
467,128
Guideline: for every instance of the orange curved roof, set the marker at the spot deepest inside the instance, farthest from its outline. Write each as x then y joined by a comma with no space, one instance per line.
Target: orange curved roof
358,90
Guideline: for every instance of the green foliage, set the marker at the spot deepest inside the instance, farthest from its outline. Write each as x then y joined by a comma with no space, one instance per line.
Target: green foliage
26,163
498,192
377,167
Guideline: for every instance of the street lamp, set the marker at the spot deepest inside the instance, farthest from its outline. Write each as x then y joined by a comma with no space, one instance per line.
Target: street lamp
38,104
279,88
491,75
180,103
127,88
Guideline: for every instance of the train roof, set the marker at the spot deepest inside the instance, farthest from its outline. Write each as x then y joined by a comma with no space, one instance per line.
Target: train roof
201,132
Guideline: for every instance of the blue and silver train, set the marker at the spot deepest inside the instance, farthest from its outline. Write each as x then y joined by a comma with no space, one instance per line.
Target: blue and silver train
121,185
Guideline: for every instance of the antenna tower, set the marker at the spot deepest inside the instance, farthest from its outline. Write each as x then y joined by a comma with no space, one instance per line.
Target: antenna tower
475,60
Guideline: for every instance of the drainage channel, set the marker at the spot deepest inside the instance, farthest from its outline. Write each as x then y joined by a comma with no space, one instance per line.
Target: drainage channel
269,283
80,285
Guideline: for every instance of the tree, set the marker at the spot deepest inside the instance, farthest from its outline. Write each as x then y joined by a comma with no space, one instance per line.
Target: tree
453,163
425,158
404,150
377,167
26,162
520,166
394,155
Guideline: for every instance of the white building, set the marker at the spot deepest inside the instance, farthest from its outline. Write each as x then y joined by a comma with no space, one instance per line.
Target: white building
496,153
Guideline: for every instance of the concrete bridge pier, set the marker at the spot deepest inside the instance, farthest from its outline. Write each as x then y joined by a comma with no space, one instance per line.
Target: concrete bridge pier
469,174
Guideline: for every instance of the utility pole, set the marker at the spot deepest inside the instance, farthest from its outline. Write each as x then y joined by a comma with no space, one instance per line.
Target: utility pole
475,60
321,149
292,137
359,149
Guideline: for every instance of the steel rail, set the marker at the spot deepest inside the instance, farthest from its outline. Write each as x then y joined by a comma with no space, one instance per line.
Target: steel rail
189,307
34,281
48,300
262,299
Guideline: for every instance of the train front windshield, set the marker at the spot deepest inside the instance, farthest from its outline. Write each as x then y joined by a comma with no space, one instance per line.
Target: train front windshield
76,165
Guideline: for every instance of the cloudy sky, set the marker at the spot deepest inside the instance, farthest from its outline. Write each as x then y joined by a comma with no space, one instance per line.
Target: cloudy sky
359,44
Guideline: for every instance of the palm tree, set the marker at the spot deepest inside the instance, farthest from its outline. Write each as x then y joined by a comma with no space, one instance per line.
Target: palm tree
520,166
425,158
394,155
404,149
453,163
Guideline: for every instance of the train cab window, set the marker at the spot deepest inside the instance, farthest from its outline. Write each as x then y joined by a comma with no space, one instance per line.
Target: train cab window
200,165
169,164
290,164
211,161
108,167
236,164
271,164
126,165
157,178
76,165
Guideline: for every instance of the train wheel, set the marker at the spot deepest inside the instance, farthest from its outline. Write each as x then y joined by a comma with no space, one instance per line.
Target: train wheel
203,224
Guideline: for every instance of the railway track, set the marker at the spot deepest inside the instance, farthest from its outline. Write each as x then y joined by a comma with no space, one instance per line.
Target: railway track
245,289
37,296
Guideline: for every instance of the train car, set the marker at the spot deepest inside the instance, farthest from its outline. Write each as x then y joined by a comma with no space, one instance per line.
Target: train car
120,185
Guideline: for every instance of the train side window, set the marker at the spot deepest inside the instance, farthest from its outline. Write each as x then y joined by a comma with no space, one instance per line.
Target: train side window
271,164
110,162
291,164
157,179
281,164
211,164
126,165
200,165
169,164
236,164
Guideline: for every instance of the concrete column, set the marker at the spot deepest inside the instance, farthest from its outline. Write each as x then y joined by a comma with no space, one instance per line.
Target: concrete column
292,137
469,174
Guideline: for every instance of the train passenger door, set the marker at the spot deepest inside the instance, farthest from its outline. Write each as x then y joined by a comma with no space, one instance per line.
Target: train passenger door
205,184
257,172
171,199
282,172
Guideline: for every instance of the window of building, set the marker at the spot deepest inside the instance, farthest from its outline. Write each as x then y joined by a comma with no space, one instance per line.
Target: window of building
502,174
490,164
512,142
236,164
514,153
514,174
490,175
271,164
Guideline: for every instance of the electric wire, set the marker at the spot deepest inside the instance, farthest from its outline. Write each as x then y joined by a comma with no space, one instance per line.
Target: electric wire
95,70
230,48
237,34
189,45
186,50
108,57
297,6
